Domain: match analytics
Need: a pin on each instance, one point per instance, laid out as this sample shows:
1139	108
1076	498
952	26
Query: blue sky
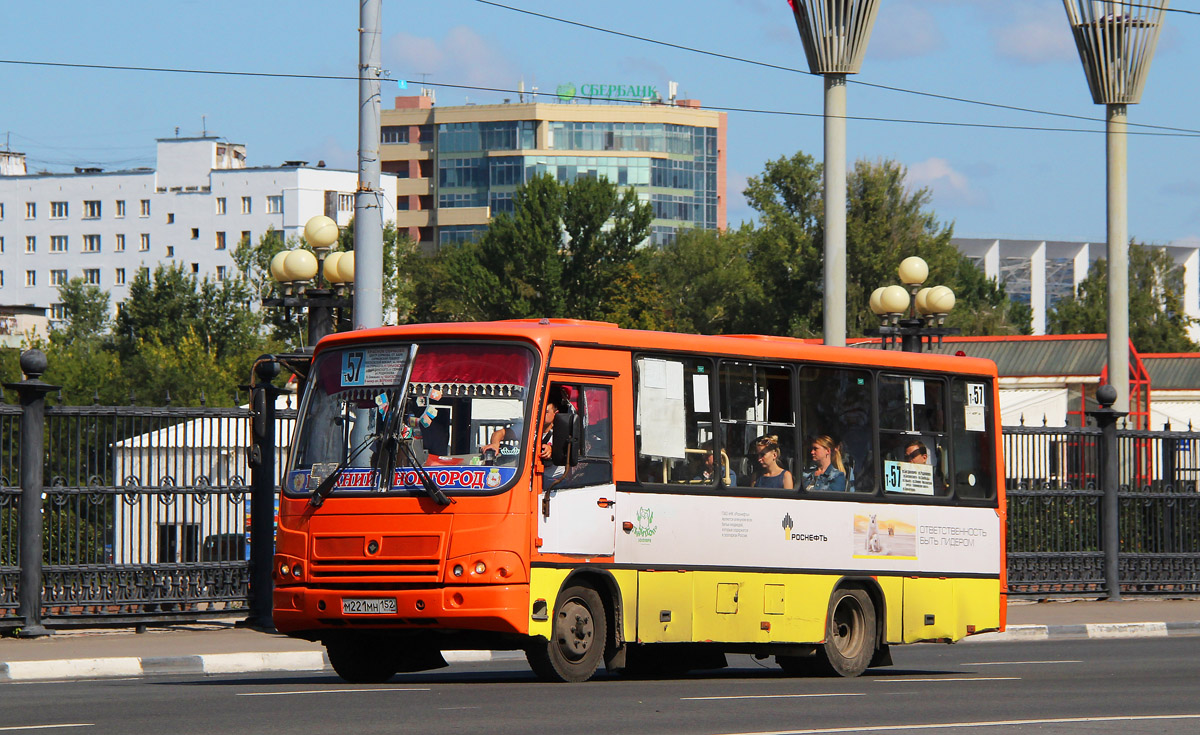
987	182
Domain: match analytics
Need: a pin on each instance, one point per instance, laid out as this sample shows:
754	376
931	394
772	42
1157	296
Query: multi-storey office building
459	166
1040	272
192	209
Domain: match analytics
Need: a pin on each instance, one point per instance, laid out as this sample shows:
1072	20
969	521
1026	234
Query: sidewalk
218	647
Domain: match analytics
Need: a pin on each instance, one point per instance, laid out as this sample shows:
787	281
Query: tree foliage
1157	321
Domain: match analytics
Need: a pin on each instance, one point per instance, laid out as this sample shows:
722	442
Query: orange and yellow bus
642	500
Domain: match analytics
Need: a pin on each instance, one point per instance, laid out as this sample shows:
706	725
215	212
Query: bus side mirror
567	439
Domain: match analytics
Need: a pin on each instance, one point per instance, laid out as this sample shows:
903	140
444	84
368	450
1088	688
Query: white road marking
953	678
773	696
1019	663
331	691
18	728
983	723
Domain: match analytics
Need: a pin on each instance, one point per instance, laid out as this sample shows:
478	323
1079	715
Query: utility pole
368	200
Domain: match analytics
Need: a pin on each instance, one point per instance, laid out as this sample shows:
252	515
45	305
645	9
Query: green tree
1157	321
707	281
79	351
565	250
885	223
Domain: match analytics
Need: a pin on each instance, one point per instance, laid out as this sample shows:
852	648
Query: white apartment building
192	209
1040	272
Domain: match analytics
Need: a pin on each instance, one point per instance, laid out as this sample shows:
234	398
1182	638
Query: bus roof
545	332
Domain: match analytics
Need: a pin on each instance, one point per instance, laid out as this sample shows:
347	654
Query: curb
1020	633
217	663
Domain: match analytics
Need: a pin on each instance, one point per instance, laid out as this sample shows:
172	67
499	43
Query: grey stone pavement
220	647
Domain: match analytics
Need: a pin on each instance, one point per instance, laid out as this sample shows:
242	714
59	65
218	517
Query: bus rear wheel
362	659
576	645
849	632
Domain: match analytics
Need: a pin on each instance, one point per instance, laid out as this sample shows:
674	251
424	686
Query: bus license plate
368	606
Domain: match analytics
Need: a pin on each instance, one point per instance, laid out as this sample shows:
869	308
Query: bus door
576	497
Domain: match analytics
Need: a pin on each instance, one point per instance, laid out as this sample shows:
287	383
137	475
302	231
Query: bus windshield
462	417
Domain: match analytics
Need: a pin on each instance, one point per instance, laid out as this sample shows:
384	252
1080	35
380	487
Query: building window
220	205
144	243
220	241
393	134
120	208
195	267
1	210
58	243
170	218
1	279
221	272
30	210
170	251
91	243
58	210
91	210
245	237
92	276
195	233
58	277
30	278
144	272
345	202
58	312
119	277
145	208
247	208
118	243
1	244
30	244
275	204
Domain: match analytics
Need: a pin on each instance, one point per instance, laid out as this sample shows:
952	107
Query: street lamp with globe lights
333	271
912	316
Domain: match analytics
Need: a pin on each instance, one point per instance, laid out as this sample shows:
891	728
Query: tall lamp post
333	271
912	316
835	35
1116	42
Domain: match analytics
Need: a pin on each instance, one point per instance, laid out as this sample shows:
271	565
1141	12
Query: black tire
576	646
363	660
850	635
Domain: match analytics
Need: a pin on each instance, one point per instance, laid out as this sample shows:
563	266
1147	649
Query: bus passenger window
674	418
757	411
912	428
974	439
836	403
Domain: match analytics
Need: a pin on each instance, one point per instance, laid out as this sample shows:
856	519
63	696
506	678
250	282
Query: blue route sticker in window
375	367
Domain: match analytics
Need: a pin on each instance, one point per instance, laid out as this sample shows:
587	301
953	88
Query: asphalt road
1080	686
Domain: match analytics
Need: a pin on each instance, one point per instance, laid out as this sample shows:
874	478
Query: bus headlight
458	570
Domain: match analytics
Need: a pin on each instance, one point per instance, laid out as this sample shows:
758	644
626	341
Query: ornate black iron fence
1056	518
145	513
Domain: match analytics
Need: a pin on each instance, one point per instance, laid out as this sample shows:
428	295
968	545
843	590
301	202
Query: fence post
1110	482
32	392
262	492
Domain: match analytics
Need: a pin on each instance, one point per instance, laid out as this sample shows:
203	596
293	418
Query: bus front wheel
362	660
849	632
576	645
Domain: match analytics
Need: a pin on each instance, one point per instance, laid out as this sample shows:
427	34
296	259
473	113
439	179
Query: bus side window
756	403
974	439
912	428
674	417
837	403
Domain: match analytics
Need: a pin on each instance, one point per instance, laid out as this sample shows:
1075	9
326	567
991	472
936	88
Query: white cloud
947	186
904	31
462	57
1043	38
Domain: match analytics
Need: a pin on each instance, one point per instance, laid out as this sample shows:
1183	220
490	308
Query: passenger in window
711	469
916	452
827	473
546	441
773	474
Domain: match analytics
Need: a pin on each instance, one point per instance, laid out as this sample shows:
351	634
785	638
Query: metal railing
145	513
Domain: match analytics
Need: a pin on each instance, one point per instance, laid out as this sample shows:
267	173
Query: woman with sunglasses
827	473
773	474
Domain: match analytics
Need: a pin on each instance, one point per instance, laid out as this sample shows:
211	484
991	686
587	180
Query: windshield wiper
326	487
